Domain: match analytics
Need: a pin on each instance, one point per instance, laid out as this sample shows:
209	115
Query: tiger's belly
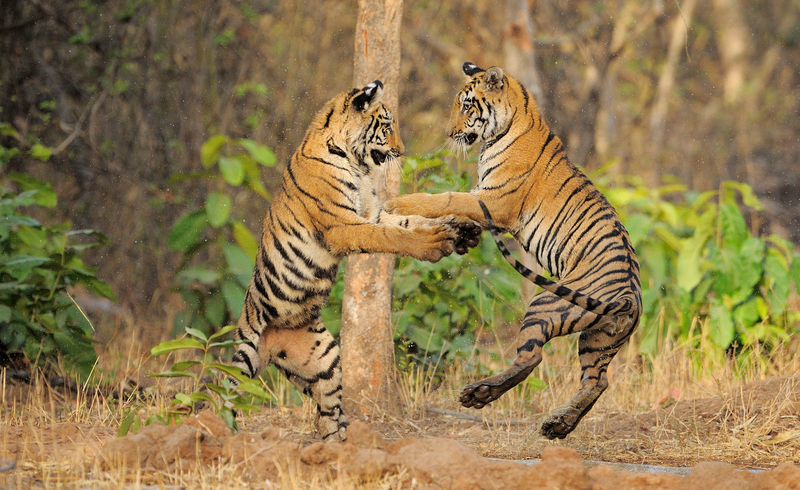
296	285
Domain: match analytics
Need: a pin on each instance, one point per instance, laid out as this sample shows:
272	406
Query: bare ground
756	425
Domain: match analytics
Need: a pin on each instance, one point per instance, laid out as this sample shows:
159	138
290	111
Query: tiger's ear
494	78
471	69
368	96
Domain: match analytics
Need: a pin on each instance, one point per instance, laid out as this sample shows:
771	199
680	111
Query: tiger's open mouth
378	156
466	139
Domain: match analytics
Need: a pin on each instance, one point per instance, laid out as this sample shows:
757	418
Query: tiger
558	217
325	208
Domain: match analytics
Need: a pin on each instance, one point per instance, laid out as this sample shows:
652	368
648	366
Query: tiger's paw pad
468	235
558	424
478	395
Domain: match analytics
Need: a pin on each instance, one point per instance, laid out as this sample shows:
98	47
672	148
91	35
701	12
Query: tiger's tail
620	307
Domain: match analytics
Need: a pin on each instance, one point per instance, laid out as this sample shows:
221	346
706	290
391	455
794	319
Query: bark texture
367	337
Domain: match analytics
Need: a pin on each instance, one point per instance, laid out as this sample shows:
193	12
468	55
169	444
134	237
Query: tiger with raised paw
527	187
327	207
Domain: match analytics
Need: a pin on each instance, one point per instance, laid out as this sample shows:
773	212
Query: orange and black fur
326	208
530	189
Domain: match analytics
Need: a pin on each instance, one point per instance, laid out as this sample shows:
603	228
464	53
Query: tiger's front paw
432	242
468	234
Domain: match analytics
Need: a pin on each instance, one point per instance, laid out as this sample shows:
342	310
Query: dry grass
53	436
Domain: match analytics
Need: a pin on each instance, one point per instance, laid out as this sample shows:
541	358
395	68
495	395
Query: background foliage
138	86
39	264
116	105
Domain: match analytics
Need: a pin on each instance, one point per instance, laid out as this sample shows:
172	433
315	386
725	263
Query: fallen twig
467	416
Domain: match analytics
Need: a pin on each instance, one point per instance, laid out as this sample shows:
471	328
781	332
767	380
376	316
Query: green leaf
173	374
255	389
231	371
176	344
183	366
225	343
184	399
99	288
222	331
18	220
41	152
218	208
33	237
746	314
187	230
748	196
794	272
44	194
196	333
210	151
20	266
245	239
230	420
260	154
126	424
734	229
777	281
233	294
239	263
721	326
198	274
215	309
738	270
5	314
688	267
232	170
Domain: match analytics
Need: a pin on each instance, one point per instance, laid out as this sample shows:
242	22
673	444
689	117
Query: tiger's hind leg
596	348
541	323
309	358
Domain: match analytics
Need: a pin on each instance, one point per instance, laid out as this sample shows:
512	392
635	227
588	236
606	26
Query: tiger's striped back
622	306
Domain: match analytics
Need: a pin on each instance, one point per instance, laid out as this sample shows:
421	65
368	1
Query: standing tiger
326	208
559	217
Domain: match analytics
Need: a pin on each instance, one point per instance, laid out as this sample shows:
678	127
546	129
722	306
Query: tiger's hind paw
480	393
560	422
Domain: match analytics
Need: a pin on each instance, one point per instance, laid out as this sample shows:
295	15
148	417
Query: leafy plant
702	267
438	308
214	290
38	266
210	383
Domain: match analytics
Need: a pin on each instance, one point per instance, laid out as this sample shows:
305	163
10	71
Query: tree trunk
680	29
367	336
519	59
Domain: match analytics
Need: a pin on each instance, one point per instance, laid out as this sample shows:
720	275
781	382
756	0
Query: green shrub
438	308
38	266
702	267
214	291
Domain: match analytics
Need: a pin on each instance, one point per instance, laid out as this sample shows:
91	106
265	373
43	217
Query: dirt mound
65	441
436	462
771	406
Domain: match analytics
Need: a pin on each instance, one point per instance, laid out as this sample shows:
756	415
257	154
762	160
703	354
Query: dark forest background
126	91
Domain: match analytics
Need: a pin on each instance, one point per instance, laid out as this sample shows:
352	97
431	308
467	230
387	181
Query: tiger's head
359	125
482	109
